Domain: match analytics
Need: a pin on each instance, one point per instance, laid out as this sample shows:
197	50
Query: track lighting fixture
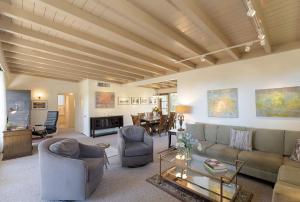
251	12
247	48
203	59
263	42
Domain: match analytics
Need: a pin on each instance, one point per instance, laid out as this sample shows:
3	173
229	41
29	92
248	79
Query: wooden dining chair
163	124
136	120
172	121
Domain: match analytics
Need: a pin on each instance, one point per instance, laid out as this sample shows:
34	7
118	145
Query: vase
188	154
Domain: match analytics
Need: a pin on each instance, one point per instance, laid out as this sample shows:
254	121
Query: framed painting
153	100
223	103
124	101
278	102
144	100
135	100
39	104
105	99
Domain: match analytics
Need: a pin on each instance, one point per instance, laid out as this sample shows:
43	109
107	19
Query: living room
123	101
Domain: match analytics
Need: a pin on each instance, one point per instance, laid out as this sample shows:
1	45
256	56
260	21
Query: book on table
215	166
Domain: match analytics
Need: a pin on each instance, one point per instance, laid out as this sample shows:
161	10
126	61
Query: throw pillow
66	147
296	154
241	139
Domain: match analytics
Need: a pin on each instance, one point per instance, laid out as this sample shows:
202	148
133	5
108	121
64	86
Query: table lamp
182	109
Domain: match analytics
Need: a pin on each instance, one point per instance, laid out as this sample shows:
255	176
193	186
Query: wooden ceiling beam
47	69
43	75
7	26
57	60
201	20
259	14
29	61
101	23
20	14
10	39
158	26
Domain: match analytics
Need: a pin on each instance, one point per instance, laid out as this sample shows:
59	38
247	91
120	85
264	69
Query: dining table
151	122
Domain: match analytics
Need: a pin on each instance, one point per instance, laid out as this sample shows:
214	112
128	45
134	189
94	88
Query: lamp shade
183	109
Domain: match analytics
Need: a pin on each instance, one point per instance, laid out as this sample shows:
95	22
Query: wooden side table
170	133
17	143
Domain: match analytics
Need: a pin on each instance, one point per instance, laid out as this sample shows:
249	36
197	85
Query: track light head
251	13
247	49
263	42
261	36
203	59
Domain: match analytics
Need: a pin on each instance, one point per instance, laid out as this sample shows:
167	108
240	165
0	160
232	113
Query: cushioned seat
261	160
285	192
289	174
288	162
137	149
94	166
223	153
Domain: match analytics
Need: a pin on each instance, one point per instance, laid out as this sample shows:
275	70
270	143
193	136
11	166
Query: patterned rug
186	196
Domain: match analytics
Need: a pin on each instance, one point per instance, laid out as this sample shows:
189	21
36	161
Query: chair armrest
91	151
121	144
148	139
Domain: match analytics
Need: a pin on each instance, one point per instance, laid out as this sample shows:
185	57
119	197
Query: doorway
66	108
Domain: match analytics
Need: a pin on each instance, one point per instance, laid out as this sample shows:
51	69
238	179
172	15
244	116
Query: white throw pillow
241	139
296	154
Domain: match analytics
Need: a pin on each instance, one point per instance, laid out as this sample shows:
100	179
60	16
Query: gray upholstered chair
66	178
135	146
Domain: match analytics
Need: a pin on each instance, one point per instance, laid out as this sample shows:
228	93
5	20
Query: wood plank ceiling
161	85
123	41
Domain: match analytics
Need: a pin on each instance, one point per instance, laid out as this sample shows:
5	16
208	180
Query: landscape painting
278	102
223	103
105	99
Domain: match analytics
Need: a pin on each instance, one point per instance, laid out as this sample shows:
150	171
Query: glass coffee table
194	177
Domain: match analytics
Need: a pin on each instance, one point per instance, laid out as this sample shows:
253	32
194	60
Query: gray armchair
65	178
135	146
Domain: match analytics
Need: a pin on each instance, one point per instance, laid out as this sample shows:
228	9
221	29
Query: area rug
187	196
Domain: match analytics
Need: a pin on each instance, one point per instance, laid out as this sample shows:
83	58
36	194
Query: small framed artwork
124	101
39	104
135	100
144	100
153	101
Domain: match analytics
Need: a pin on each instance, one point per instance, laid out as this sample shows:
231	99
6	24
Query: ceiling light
247	48
203	59
251	13
261	36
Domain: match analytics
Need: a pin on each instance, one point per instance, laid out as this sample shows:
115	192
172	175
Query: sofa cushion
289	174
223	135
196	130
66	147
137	149
222	153
210	132
285	192
261	160
241	139
94	167
267	140
204	146
288	162
290	138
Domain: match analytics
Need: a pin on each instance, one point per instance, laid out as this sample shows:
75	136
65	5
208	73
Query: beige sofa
268	160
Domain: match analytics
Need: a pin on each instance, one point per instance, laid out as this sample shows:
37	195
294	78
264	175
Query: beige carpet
19	178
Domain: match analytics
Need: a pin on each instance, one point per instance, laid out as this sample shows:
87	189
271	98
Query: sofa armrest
121	144
90	151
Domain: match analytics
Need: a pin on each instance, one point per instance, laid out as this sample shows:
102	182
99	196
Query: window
164	104
2	106
173	101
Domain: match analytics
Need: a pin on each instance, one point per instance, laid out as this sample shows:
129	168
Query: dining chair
136	120
163	124
172	121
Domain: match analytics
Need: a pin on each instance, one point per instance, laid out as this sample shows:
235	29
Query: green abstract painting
223	103
278	102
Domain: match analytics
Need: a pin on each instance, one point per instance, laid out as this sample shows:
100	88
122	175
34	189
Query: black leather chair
49	125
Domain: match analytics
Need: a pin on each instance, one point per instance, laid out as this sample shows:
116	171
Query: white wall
272	71
2	108
84	113
48	89
120	91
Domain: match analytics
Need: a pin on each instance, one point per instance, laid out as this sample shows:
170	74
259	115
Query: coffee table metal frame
169	155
